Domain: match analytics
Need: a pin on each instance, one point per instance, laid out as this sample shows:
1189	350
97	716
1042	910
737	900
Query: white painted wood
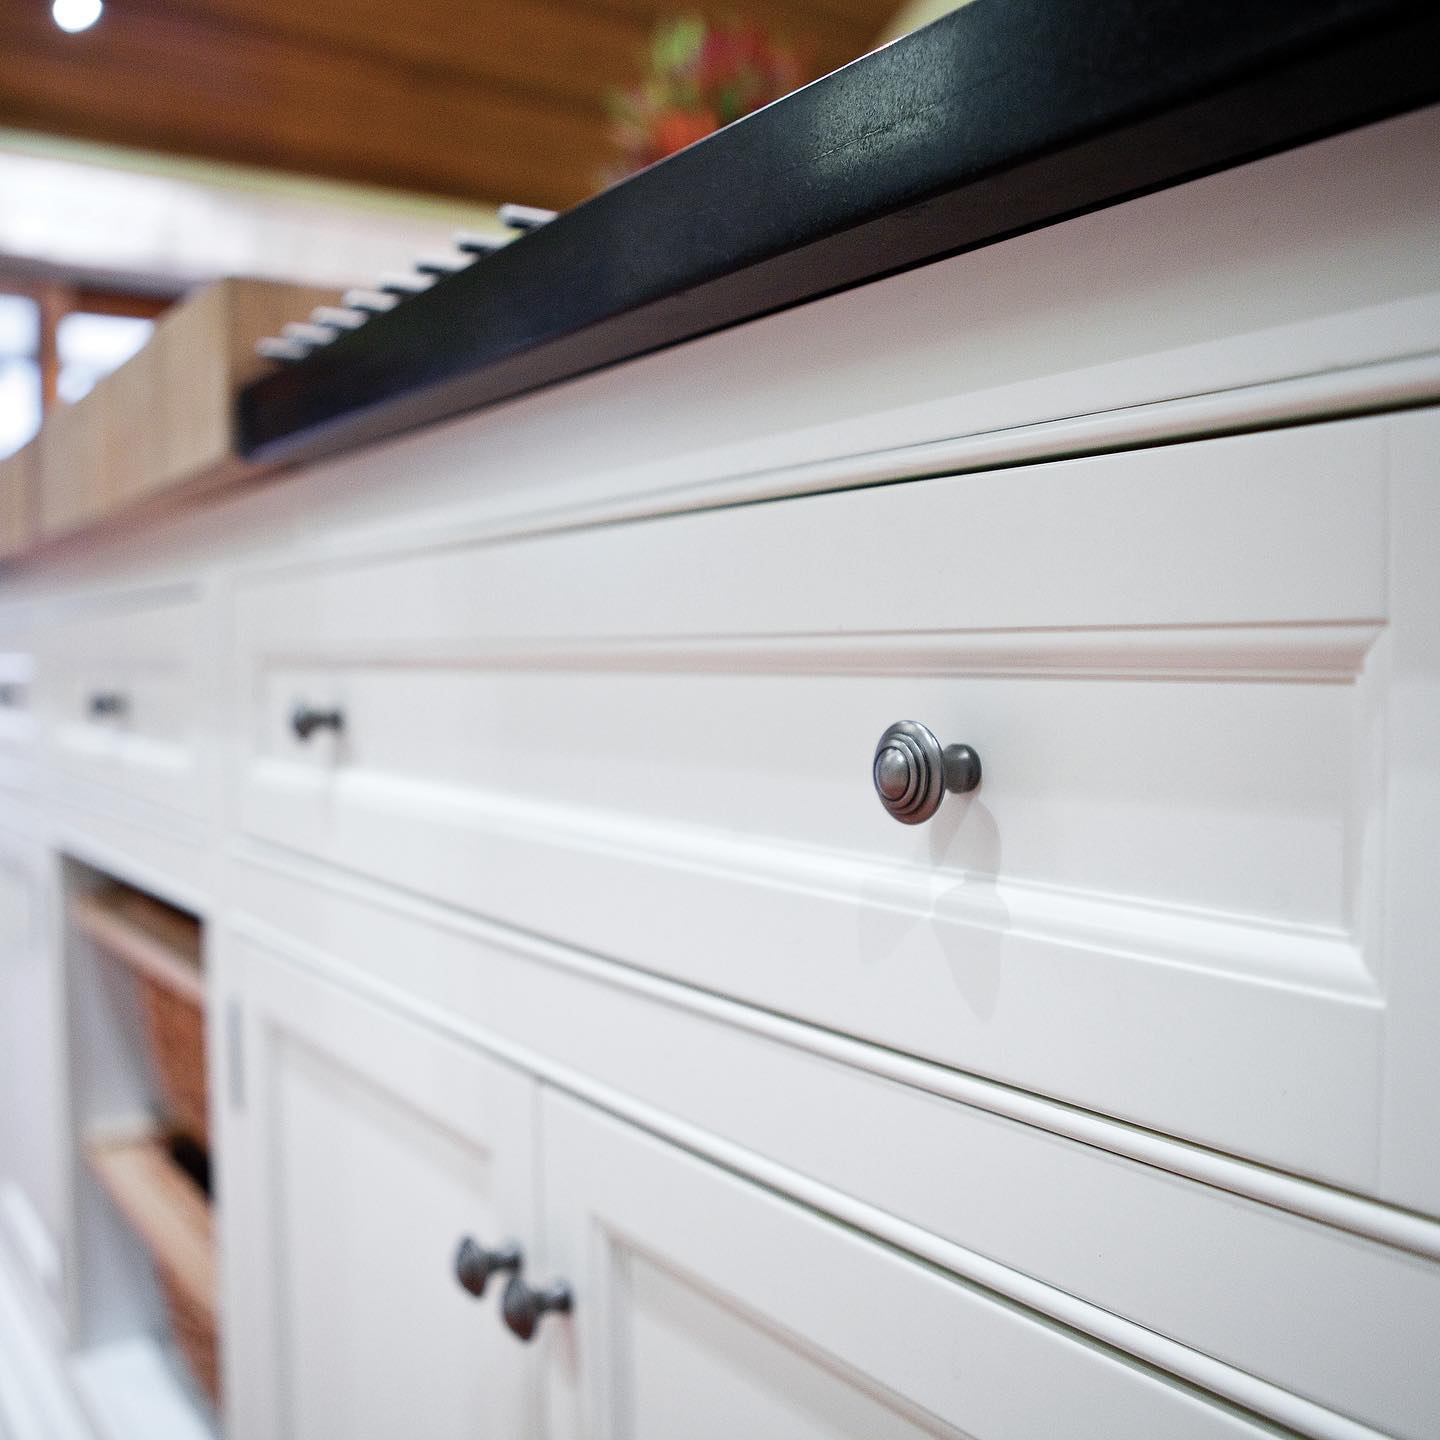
671	726
33	1129
37	1401
762	1319
17	700
1030	1195
146	648
366	1149
310	901
1410	914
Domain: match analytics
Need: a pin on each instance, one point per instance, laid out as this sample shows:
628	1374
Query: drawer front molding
1172	856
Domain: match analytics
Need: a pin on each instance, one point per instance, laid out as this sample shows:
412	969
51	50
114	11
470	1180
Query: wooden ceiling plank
540	47
858	21
440	96
292	107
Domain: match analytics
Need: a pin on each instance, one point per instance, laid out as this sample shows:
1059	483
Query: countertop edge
937	144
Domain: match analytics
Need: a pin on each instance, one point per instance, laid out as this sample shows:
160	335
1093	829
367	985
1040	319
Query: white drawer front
125	689
17	707
654	741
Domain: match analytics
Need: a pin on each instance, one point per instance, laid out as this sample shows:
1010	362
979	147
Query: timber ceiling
481	99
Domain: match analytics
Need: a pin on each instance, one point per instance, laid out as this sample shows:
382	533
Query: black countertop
1000	118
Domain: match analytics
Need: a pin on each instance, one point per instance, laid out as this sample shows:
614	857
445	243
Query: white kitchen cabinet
552	900
707	1307
33	1200
366	1147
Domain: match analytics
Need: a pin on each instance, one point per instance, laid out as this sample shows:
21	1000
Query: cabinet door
707	1307
362	1149
32	1202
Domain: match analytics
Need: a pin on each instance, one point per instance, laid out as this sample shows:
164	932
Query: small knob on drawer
108	704
912	771
474	1264
305	720
523	1306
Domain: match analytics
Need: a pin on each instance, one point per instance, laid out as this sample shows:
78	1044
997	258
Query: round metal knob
523	1306
912	771
474	1264
108	705
305	720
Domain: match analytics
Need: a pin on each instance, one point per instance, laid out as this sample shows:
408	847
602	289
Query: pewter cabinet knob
912	771
474	1264
305	720
524	1305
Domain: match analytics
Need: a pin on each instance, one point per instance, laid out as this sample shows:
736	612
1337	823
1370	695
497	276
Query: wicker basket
175	1039
161	949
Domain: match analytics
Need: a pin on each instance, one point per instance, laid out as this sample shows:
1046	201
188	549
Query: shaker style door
705	1306
32	1200
365	1150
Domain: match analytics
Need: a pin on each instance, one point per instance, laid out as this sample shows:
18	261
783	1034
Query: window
20	390
90	346
56	341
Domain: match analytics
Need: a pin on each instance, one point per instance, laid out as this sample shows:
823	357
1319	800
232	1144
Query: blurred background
147	146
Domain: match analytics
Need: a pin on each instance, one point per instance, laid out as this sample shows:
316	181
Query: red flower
675	129
701	76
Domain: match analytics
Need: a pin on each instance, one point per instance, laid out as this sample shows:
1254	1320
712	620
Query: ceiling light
73	16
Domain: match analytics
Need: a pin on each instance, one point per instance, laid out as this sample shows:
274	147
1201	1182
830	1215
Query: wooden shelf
155	941
165	1208
172	1218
